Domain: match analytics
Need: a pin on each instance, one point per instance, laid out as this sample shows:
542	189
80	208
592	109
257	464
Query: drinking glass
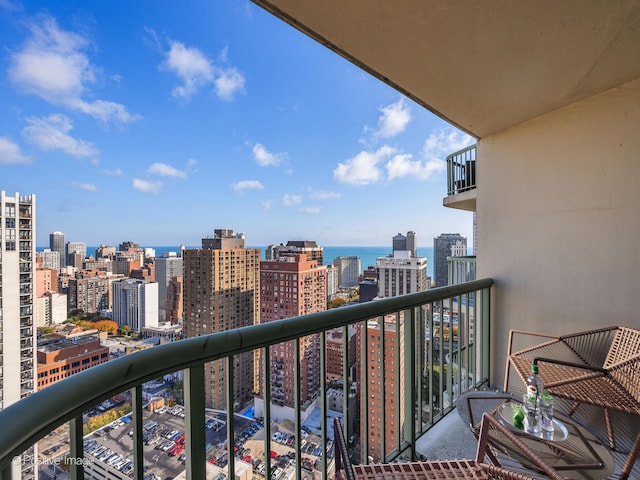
546	410
532	414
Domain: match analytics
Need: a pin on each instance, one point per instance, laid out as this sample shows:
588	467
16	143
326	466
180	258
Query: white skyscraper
401	274
135	303
17	293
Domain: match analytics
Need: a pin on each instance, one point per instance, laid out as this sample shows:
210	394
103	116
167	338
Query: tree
336	302
108	326
45	330
125	330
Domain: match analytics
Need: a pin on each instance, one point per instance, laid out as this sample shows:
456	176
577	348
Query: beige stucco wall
559	220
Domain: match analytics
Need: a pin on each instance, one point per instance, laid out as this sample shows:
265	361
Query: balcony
461	179
435	369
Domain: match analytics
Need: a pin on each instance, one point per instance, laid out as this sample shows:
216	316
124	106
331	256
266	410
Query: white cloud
322	194
444	142
265	158
164	170
116	172
267	205
363	169
196	71
403	166
289	199
147	186
245	185
228	82
52	133
53	66
310	210
394	119
10	153
88	187
191	66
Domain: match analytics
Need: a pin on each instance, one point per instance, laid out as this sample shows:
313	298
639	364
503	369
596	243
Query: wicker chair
596	372
442	469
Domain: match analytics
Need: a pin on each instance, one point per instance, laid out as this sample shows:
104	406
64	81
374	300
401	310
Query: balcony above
461	180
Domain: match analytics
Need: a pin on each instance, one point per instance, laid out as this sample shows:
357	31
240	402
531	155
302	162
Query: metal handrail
461	170
29	420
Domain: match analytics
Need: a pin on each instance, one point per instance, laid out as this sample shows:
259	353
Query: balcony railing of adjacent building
437	365
461	269
461	171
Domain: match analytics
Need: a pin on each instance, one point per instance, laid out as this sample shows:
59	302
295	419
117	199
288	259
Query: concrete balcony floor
451	439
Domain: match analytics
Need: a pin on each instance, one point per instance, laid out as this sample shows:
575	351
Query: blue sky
158	121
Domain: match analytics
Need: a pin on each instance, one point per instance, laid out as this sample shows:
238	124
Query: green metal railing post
231	436
486	335
138	453
408	339
76	467
195	438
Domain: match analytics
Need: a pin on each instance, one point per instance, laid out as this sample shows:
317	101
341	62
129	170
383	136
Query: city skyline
162	122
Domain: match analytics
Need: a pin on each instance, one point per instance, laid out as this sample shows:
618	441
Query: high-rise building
221	291
51	309
401	274
442	248
17	306
174	301
168	266
105	251
135	303
410	243
49	259
348	270
384	376
310	247
332	281
56	244
89	294
291	286
76	253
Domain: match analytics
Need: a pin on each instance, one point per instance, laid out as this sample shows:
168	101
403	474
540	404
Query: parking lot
110	448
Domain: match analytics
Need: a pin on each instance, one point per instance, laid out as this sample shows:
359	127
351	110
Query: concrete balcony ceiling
483	66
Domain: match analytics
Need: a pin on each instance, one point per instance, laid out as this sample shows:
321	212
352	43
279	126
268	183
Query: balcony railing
429	363
461	171
461	269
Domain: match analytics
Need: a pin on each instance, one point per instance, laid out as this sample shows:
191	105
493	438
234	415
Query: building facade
49	259
90	294
442	248
310	247
408	242
221	292
401	274
135	303
291	286
76	253
62	357
56	244
17	305
168	266
348	271
174	310
384	375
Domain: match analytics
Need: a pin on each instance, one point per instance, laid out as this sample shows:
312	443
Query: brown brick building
62	357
